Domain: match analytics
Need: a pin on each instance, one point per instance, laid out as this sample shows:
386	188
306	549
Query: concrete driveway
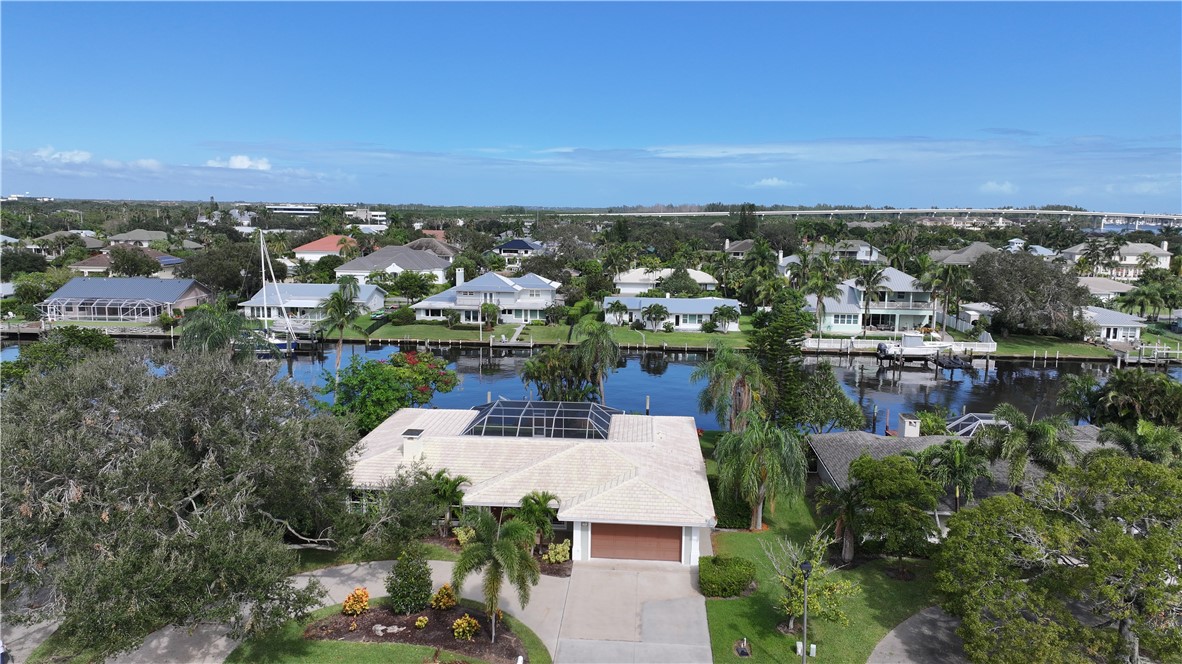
624	611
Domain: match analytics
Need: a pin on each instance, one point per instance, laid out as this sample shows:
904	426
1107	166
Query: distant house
395	260
1129	259
1017	244
901	305
304	302
50	245
686	313
963	256
1105	288
855	250
737	249
521	299
139	238
325	246
100	264
437	234
5	240
518	249
438	247
122	299
634	282
1114	325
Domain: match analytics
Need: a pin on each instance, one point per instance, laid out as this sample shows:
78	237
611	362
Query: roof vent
411	434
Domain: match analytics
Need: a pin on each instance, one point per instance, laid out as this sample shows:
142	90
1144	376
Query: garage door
618	540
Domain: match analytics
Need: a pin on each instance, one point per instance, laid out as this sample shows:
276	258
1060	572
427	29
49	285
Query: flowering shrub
465	628
444	598
356	603
464	534
557	553
421	622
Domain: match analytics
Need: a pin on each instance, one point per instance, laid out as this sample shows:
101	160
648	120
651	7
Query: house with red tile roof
325	246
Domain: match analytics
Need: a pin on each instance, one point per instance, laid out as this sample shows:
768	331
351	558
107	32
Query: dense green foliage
1031	295
20	261
372	390
408	585
63	346
828	591
760	462
896	504
724	576
555	374
132	262
154	488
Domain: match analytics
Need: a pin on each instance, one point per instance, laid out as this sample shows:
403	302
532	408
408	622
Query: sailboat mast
263	278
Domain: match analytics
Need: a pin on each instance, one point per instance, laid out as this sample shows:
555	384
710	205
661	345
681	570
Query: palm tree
723	316
1141	300
448	492
599	352
869	279
735	384
952	279
654	314
953	464
618	309
535	510
1047	443
897	254
502	551
1080	395
760	463
213	326
821	286
340	311
347	247
929	281
845	504
1148	441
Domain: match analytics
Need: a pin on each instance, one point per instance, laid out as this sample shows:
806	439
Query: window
535	294
845	319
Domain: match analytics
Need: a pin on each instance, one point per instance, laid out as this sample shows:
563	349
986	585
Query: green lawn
1158	334
880	604
312	559
58	650
288	645
434	333
623	335
1022	346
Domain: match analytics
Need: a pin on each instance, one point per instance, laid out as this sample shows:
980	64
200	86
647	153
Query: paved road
928	637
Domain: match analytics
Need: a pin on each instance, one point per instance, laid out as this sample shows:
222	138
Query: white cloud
992	187
772	183
47	153
241	162
148	164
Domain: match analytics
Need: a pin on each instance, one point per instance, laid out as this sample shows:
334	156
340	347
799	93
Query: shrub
557	553
667	326
761	319
464	534
723	576
356	603
465	628
444	598
731	511
451	317
421	622
166	321
403	316
638	325
709	327
408	584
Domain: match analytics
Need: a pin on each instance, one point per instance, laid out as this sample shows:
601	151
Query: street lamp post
806	568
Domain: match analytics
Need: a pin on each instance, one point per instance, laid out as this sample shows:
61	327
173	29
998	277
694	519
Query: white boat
912	346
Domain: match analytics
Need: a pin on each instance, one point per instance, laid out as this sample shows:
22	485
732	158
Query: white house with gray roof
394	261
629	487
122	299
520	299
1131	258
305	302
686	313
1114	325
639	280
139	237
900	306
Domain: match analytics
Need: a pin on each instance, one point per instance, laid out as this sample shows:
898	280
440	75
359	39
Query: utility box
908	425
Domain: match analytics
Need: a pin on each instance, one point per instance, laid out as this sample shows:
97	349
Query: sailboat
282	340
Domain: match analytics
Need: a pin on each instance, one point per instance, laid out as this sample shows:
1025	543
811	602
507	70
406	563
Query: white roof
640	276
1104	285
649	470
1110	318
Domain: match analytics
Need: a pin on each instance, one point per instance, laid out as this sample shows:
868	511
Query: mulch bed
556	569
448	542
436	634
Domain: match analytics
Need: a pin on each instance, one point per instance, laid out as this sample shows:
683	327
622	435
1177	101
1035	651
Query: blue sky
901	104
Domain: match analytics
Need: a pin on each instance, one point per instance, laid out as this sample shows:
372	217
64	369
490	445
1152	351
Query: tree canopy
1032	295
372	390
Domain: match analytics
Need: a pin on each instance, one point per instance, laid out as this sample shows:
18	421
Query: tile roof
104	260
435	246
88	242
404	257
139	235
329	243
146	288
896	281
649	471
963	256
641	276
1104	285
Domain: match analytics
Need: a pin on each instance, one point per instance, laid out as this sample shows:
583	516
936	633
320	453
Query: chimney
667	296
1165	245
908	425
727	246
459	276
780	256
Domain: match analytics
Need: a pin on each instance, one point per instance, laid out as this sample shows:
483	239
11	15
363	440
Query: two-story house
639	280
139	237
303	304
394	260
738	249
520	299
899	305
856	250
1132	258
518	249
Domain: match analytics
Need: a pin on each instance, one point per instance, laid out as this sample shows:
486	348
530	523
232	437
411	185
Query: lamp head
807	568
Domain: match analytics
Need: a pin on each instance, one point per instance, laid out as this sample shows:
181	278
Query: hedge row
723	576
732	512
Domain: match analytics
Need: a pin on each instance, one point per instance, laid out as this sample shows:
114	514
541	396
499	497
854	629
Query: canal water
662	379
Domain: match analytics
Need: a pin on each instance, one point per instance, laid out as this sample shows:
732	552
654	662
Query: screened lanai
542	419
103	309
